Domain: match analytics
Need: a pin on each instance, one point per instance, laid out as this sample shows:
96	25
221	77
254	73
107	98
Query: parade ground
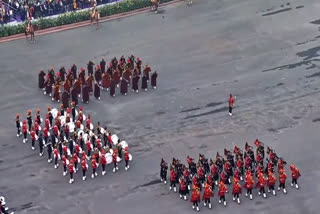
266	53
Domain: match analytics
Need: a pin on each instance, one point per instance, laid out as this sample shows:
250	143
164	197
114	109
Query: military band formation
226	173
123	73
72	139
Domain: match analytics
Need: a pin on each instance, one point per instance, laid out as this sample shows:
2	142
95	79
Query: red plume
235	150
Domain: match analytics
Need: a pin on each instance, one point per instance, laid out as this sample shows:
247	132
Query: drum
81	127
54	113
123	144
71	127
36	136
102	130
84	117
85	137
39	128
114	139
108	158
91	126
63	120
130	157
119	159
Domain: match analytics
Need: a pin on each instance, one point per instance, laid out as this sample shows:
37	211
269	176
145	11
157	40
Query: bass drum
114	139
54	113
71	127
123	144
130	157
63	120
108	158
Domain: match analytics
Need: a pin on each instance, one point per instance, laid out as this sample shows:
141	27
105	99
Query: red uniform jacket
236	189
239	163
185	173
261	181
271	180
46	122
126	156
236	173
207	193
213	169
24	128
78	124
249	183
33	135
83	165
172	175
64	160
66	129
295	173
55	130
55	153
200	172
88	144
88	123
65	149
75	158
70	167
93	164
77	148
103	160
231	101
45	132
114	157
282	178
182	185
36	127
195	196
222	189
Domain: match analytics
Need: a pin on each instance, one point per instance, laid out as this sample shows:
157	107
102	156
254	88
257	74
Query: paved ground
262	52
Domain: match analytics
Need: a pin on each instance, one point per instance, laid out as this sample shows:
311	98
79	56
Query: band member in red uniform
89	148
236	190
222	188
154	76
55	156
18	125
84	167
295	174
249	182
33	137
271	182
36	128
126	158
207	194
282	180
201	175
195	198
214	173
24	131
94	167
71	171
163	171
45	134
103	162
261	183
182	188
231	101
64	163
75	160
172	179
29	119
114	160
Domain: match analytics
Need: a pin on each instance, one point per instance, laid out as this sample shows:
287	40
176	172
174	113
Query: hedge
73	17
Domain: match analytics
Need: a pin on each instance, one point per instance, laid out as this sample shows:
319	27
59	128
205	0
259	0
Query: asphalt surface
264	53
